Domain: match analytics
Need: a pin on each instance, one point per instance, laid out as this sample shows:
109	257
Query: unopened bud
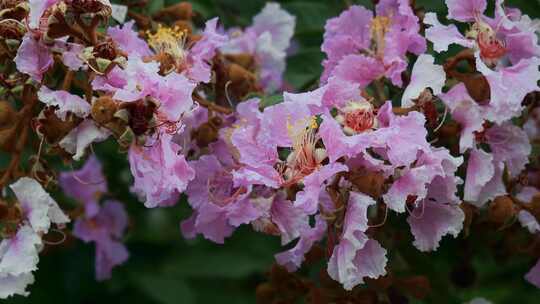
371	183
501	210
247	61
265	293
182	11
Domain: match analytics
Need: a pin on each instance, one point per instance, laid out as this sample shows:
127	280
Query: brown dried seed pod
501	210
52	127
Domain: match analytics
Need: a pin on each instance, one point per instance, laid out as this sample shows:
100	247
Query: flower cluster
441	144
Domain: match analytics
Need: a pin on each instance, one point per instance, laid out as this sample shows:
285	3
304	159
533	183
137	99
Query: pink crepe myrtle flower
267	39
105	229
356	256
291	126
139	80
385	38
160	172
194	60
85	185
492	37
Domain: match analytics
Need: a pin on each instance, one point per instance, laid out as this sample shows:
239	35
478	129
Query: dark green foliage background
165	269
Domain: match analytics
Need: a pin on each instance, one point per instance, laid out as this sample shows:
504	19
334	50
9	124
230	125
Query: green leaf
304	68
165	290
154	6
271	100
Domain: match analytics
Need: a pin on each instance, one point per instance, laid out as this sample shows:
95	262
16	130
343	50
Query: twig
210	105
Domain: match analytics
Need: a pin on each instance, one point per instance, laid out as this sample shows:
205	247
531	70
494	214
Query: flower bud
265	293
245	60
501	210
103	110
370	183
179	11
478	87
242	80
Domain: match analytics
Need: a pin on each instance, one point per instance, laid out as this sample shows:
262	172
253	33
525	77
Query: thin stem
210	105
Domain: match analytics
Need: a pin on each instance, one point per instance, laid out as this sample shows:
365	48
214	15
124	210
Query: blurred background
164	268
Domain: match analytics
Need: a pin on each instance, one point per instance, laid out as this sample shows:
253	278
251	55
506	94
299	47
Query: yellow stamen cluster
169	40
304	157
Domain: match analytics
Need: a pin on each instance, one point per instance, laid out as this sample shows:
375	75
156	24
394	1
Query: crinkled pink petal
431	221
38	207
465	10
425	74
480	171
308	198
466	112
533	276
19	254
359	69
81	137
356	257
511	145
15	285
160	173
346	34
291	221
128	40
85	185
33	58
203	51
66	102
292	259
276	21
443	35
